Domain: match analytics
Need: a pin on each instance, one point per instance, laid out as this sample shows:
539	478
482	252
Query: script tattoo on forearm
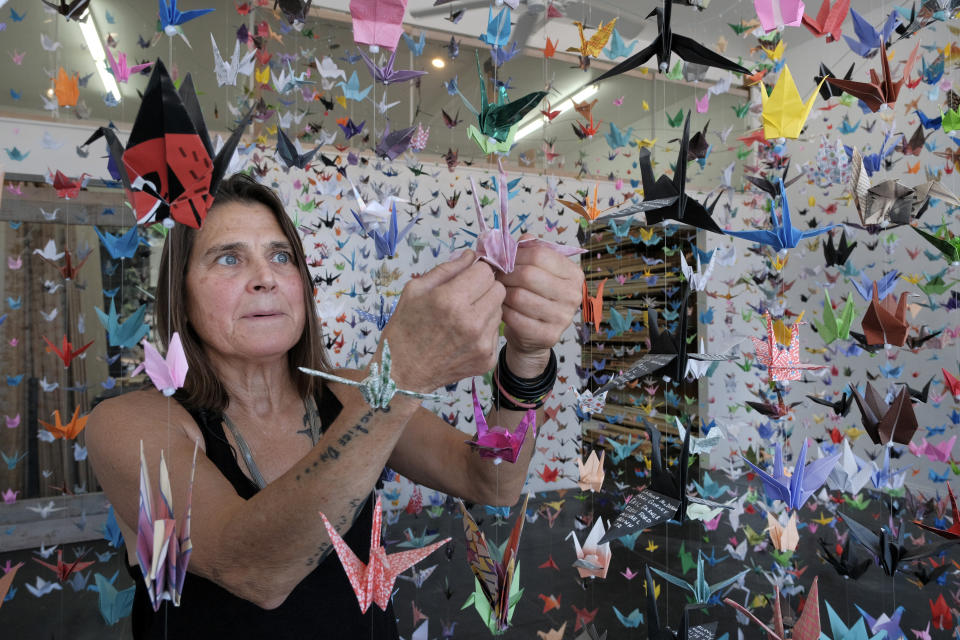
323	549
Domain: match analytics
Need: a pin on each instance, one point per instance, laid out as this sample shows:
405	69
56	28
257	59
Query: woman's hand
543	294
446	325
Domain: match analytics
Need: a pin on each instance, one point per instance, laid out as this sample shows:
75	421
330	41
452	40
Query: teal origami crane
125	334
124	246
858	631
498	28
351	88
617	47
702	592
617	138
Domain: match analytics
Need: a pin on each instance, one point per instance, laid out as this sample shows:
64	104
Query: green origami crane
833	328
497	120
944	241
378	388
935	285
482	605
951	120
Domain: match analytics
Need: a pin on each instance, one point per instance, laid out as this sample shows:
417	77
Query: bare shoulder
143	411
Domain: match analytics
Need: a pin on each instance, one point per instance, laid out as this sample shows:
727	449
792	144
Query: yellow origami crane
784	113
597	41
645	143
262	75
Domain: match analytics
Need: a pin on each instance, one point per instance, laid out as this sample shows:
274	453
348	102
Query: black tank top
323	605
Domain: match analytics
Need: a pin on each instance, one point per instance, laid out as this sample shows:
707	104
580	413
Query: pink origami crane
167	374
776	14
122	71
162	555
498	442
377	23
782	364
941	452
496	246
373	582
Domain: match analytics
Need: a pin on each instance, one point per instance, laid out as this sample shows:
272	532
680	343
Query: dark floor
74	614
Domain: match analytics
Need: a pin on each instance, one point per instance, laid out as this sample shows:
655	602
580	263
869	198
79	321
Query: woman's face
244	291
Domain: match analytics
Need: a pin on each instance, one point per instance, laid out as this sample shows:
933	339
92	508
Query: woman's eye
282	257
227	259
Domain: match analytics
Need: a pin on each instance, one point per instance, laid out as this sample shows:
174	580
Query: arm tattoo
323	549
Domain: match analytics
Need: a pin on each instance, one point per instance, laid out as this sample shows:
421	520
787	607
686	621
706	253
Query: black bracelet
521	394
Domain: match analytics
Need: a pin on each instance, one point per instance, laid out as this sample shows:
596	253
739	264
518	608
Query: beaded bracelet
520	394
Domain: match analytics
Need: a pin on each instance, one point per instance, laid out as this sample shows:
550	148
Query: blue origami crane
793	490
124	246
386	243
618	48
868	39
125	334
498	28
885	285
171	17
784	235
351	88
873	161
617	138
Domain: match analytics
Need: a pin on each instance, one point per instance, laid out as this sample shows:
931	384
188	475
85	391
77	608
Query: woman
281	446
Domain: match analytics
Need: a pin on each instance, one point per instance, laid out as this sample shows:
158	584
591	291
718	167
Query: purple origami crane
498	442
496	246
794	489
161	554
387	74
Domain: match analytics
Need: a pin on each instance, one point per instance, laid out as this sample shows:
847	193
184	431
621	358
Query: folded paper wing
593	558
593	305
373	581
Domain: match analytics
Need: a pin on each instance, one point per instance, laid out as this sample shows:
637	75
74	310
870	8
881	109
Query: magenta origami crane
496	246
781	363
498	442
119	67
162	555
373	581
377	23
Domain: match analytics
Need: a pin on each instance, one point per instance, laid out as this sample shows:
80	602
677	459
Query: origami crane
496	574
499	443
497	247
667	43
593	306
829	20
890	549
169	168
833	328
591	472
496	121
885	320
591	48
953	533
657	632
794	489
161	553
777	14
124	334
944	241
881	90
784	113
386	75
885	423
119	67
167	374
171	17
807	626
64	569
66	352
784	235
593	558
373	581
701	590
386	242
68	431
377	23
782	364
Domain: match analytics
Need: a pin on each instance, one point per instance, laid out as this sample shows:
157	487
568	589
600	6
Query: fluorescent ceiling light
564	106
92	37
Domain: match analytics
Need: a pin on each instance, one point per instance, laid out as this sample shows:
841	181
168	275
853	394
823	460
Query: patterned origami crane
782	364
373	581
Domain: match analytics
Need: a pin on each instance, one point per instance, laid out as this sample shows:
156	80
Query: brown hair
202	388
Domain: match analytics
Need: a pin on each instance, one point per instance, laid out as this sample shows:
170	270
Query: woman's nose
263	278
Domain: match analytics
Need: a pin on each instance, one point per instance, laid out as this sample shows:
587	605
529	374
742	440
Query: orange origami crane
881	89
593	306
885	320
64	569
588	210
68	431
373	581
67	88
66	353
